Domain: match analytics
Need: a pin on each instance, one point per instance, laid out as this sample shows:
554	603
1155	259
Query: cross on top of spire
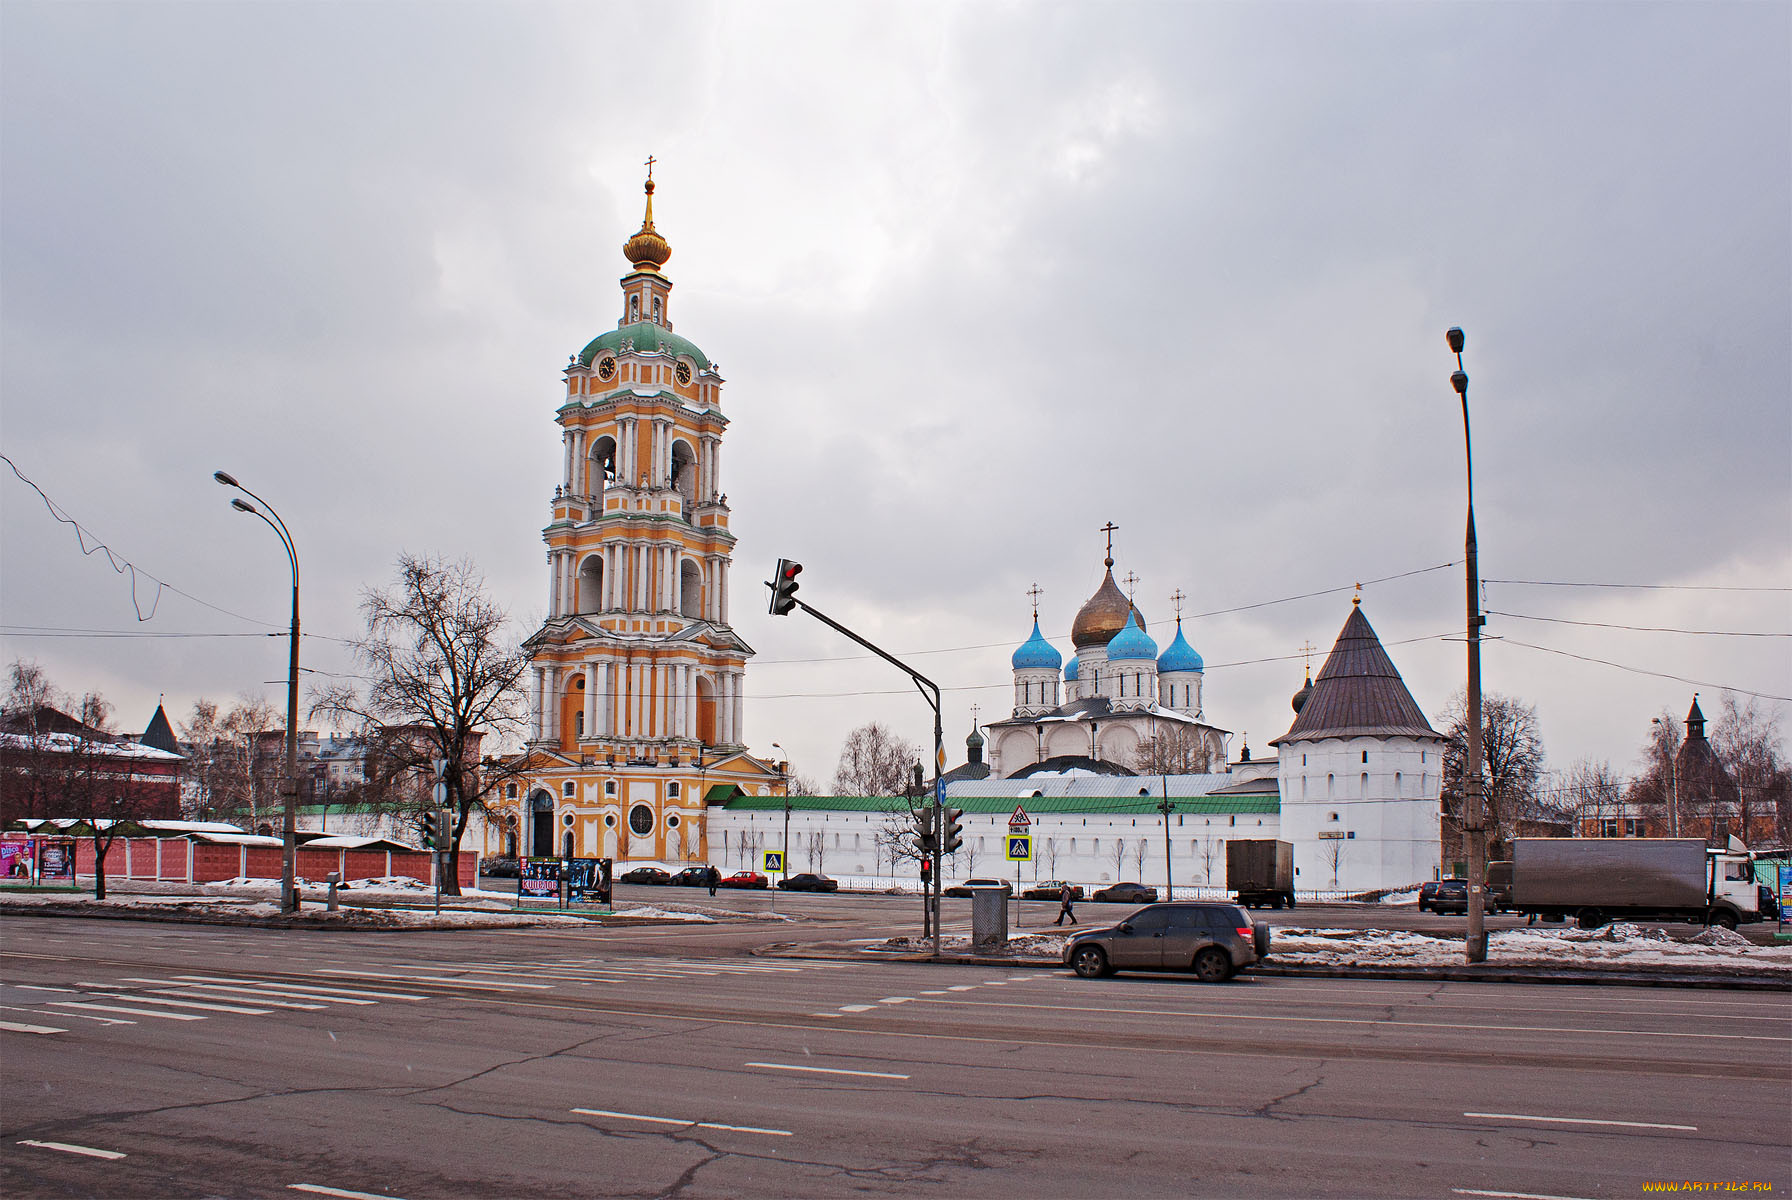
1307	649
1132	584
1176	599
1109	530
1033	593
649	165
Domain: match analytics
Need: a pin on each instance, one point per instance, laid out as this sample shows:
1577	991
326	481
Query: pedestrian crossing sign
774	861
1020	847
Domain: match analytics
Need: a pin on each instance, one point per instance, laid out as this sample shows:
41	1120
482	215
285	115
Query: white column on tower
566	467
590	699
535	705
550	707
722	601
725	722
740	705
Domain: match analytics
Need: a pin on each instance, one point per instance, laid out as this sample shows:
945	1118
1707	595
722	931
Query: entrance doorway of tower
541	825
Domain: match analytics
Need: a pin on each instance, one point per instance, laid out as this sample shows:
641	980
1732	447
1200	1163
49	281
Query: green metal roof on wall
647	338
1035	805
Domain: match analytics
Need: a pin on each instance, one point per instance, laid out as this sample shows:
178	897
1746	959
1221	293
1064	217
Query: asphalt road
663	1062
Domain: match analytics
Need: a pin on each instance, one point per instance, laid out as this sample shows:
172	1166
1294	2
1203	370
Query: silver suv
1214	940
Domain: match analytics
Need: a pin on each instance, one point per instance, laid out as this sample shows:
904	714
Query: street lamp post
289	787
784	776
1475	827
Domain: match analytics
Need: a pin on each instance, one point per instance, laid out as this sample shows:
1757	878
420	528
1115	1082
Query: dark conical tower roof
160	734
1359	692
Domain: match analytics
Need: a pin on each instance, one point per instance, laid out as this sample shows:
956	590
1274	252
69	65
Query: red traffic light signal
784	587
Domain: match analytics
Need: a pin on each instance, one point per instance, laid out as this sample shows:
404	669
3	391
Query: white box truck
1595	880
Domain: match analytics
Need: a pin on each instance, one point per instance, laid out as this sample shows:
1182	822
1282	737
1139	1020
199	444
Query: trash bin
989	918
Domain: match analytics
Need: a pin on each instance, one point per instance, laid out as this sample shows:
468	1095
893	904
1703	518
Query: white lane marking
1445	1025
599	1112
1513	1195
995	983
1580	1121
824	1014
936	993
31	987
441	979
962	987
42	1013
857	1007
66	1148
896	1000
827	1070
1022	978
135	1012
304	989
320	1190
263	993
21	1027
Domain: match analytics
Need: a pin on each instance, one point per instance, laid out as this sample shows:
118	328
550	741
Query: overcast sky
980	277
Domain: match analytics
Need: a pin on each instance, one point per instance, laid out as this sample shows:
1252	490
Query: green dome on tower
647	337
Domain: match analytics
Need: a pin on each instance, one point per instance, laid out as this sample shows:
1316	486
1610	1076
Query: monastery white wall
1379	794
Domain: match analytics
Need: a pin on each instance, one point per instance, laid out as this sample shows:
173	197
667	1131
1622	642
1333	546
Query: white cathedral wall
1389	820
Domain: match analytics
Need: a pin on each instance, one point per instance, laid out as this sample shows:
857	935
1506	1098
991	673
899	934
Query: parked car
746	879
809	883
1126	893
964	890
1051	889
499	866
691	877
645	875
1444	896
1213	939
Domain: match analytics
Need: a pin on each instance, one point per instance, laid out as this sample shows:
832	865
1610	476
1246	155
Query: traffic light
951	831
926	869
431	838
925	840
784	587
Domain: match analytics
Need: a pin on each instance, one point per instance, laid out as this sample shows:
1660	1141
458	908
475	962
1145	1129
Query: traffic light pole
930	691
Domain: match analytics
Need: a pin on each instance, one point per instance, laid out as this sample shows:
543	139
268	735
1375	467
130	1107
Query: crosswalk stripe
115	991
21	1027
255	991
135	1012
209	994
444	980
306	988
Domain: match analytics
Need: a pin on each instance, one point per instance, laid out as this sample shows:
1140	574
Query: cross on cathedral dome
647	250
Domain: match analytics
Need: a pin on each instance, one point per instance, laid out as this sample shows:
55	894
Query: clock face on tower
684	372
606	368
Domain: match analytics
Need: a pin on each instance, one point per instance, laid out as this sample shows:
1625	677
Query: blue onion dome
1070	671
1180	656
1036	652
1131	642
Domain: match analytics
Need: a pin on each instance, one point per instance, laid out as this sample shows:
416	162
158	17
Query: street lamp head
242	505
1453	335
226	478
1459	381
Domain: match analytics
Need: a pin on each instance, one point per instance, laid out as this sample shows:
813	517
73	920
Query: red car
746	879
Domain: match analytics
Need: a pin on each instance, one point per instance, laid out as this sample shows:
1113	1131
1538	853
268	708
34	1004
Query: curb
304	921
1464	974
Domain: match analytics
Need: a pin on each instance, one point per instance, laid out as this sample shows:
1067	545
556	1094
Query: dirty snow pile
1617	945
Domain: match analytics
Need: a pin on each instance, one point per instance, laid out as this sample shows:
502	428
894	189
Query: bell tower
637	681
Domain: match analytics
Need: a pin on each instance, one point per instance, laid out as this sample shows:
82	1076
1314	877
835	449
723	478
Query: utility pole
1475	944
1166	808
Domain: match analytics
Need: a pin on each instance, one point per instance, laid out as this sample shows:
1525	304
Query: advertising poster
1785	891
540	879
56	860
16	856
587	880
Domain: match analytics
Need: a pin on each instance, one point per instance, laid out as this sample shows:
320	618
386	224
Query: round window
610	821
567	820
640	819
672	821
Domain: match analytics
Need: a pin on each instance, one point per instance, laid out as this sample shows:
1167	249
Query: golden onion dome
647	250
1103	616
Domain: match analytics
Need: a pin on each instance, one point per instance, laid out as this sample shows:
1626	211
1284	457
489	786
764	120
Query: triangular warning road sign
1020	819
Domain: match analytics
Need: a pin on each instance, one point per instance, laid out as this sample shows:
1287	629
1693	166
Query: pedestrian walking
1065	898
715	877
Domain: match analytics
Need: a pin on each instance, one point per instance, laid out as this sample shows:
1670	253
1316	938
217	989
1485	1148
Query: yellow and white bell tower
637	681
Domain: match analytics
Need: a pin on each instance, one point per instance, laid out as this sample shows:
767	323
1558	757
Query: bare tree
1049	852
967	853
232	763
1208	848
1331	853
442	676
1173	750
1512	762
1590	791
817	840
1141	850
1119	857
1747	741
1656	792
873	762
800	784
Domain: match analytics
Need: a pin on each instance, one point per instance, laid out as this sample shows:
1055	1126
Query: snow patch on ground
1619	945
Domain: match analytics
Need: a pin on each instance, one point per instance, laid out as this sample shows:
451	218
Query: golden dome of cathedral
1103	616
647	250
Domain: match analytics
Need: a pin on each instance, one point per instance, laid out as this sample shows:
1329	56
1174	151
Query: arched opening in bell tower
684	474
602	474
591	584
541	825
706	711
690	589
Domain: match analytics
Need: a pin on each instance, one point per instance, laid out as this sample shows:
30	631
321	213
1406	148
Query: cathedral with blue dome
1118	706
